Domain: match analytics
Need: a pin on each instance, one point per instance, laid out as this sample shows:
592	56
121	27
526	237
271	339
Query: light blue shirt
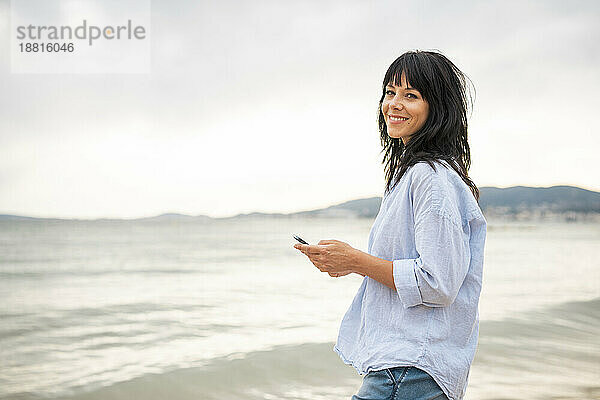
432	229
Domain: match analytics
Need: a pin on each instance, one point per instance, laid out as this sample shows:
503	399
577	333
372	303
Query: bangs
415	76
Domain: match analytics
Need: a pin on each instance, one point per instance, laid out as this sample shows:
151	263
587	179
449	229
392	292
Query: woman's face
404	109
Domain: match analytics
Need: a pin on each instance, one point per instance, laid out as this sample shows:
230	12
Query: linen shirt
432	229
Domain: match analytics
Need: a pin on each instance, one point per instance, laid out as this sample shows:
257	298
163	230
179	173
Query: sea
228	309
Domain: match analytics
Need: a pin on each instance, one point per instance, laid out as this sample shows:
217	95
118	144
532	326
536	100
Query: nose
397	102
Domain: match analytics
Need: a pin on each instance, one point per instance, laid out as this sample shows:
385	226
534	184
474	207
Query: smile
397	119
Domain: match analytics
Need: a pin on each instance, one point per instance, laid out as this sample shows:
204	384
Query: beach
226	308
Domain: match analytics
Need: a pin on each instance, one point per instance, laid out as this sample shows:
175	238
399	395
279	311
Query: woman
412	328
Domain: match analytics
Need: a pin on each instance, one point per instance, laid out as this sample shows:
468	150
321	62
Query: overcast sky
271	106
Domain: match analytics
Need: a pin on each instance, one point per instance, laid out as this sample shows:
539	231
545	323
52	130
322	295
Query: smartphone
298	238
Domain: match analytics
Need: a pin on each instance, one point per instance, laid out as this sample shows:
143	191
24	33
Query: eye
412	94
389	92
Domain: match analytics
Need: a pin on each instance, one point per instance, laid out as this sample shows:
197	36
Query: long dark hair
444	134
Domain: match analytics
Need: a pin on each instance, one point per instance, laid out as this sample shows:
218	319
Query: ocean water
228	309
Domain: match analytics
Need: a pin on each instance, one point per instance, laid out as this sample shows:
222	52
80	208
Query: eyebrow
392	86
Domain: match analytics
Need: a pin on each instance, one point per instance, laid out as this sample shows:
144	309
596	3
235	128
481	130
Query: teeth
398	118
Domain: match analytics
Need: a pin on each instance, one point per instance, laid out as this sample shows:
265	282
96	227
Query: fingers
338	274
328	241
317	263
309	248
319	256
302	247
314	258
323	248
316	247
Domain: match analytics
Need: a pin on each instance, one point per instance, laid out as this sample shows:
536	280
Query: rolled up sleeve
405	280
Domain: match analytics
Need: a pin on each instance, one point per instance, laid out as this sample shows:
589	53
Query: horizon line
8	214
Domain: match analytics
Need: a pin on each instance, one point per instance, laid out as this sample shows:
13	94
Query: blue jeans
399	383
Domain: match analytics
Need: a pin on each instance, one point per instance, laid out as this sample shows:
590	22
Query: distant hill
367	208
512	200
8	217
555	198
173	217
517	200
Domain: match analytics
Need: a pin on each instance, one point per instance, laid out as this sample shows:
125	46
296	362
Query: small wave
278	373
20	324
302	371
559	340
558	335
91	274
556	321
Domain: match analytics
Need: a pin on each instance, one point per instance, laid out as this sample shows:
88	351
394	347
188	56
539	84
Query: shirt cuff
405	281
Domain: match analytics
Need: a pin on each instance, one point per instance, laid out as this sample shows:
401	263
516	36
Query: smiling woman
432	92
404	109
413	326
